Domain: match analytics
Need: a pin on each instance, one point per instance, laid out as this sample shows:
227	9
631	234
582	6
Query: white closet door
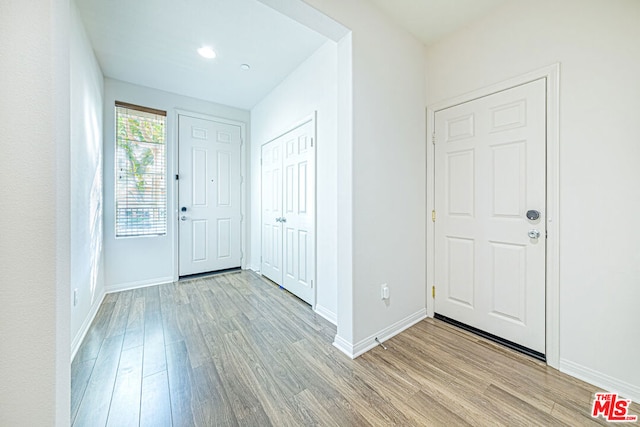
271	265
299	212
288	213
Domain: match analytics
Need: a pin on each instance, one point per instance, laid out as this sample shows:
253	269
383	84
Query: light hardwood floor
237	350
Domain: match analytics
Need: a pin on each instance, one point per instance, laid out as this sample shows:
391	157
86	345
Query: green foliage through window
141	202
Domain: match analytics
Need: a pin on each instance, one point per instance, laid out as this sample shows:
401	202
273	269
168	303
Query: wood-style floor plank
80	375
94	408
134	333
154	357
213	406
125	403
237	350
180	384
155	402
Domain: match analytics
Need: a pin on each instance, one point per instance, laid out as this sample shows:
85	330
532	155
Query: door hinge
260	161
241	255
433	138
433	215
433	291
241	179
311	283
311	142
177	177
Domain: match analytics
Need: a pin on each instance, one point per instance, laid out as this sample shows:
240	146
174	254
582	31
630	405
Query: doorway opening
288	217
455	257
210	195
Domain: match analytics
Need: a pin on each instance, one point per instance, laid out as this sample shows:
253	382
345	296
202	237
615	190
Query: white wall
311	87
87	275
389	178
34	227
131	262
596	42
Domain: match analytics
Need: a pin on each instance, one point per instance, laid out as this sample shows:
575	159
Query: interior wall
87	275
311	87
596	44
34	247
133	262
389	177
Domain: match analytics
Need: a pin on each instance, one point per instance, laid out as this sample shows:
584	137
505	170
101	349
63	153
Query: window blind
141	172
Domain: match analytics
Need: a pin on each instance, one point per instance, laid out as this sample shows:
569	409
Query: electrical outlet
75	297
384	290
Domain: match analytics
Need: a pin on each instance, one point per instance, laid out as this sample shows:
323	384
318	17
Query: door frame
552	294
314	121
243	184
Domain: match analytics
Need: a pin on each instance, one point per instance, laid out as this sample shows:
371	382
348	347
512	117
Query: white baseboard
327	314
361	347
84	328
598	379
135	285
344	346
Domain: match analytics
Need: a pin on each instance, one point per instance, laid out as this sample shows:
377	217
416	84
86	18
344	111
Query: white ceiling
430	20
153	43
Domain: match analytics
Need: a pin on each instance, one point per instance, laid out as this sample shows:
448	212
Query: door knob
534	234
183	218
283	219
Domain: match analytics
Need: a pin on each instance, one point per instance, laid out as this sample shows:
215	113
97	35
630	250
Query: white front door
288	211
490	181
209	195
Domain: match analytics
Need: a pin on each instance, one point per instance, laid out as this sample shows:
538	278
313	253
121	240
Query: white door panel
490	169
271	265
209	195
288	211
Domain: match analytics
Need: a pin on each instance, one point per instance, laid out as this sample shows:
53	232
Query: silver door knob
534	234
183	218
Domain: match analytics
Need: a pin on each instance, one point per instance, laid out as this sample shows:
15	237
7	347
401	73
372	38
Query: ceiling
153	43
430	20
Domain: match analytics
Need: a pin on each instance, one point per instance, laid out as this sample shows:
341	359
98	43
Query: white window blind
140	162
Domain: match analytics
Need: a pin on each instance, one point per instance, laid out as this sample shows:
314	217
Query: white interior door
272	211
489	173
288	211
209	195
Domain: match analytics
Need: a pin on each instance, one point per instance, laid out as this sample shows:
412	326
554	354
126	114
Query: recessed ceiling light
245	67
207	52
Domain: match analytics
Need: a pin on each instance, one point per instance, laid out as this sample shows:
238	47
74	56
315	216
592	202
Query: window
140	162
